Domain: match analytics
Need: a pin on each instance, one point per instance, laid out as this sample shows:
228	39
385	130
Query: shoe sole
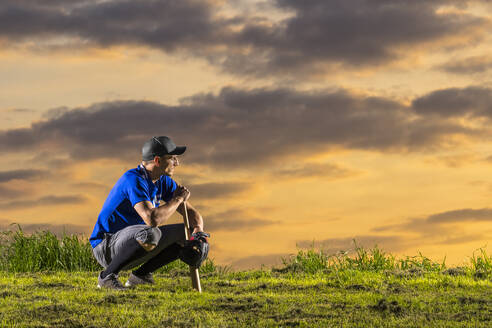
129	284
99	287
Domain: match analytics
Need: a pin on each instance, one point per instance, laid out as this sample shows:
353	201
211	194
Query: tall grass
44	251
314	260
481	264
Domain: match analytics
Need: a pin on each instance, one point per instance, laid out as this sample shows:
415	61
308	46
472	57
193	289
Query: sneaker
134	280
111	281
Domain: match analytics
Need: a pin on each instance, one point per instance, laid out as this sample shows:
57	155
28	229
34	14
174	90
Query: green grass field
366	289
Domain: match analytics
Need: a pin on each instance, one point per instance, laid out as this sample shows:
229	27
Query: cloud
235	219
50	200
444	227
93	186
315	35
334	245
463	239
6	176
455	160
473	101
18	110
243	128
9	193
323	34
218	190
310	170
470	65
163	24
462	215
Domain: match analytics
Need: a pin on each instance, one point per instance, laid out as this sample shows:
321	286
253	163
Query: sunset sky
318	120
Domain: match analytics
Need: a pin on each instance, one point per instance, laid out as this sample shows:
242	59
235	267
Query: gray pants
162	237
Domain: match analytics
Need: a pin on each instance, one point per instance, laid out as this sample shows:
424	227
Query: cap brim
178	151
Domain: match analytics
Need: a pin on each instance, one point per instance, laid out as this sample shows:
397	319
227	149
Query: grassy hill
312	289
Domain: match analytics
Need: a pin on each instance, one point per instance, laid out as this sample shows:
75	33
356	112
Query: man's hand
182	192
203	236
195	251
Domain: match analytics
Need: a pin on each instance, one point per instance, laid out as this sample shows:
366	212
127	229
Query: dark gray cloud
6	176
217	190
470	65
444	227
235	219
317	34
50	200
473	101
354	33
421	226
346	244
238	128
7	192
163	24
462	215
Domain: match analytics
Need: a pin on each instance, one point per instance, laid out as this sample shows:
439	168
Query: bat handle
186	222
195	277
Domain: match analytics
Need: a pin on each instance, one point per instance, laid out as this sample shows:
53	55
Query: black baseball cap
158	146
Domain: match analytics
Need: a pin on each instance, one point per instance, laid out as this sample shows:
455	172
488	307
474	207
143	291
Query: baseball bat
195	277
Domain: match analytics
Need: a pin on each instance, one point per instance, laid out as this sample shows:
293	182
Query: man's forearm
196	220
194	217
161	214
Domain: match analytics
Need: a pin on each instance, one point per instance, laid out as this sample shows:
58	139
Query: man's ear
157	161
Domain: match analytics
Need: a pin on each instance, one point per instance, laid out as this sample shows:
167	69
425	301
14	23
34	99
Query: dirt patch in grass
8	294
174	323
69	323
481	274
116	299
52	285
260	287
39	298
339	306
395	288
225	283
356	287
289	287
295	316
49	312
471	300
247	304
410	273
384	305
459	271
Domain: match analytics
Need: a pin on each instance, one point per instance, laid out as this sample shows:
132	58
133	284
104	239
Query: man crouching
130	230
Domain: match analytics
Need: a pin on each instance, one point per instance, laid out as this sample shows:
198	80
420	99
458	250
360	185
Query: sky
307	123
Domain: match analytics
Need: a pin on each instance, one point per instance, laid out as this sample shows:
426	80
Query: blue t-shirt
133	187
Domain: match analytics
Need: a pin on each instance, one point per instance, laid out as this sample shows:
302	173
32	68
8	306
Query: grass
44	251
314	261
366	288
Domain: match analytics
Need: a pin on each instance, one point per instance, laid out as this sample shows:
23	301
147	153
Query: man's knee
148	237
147	247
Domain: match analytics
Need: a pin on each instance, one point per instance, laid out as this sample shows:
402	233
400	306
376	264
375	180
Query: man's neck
152	172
